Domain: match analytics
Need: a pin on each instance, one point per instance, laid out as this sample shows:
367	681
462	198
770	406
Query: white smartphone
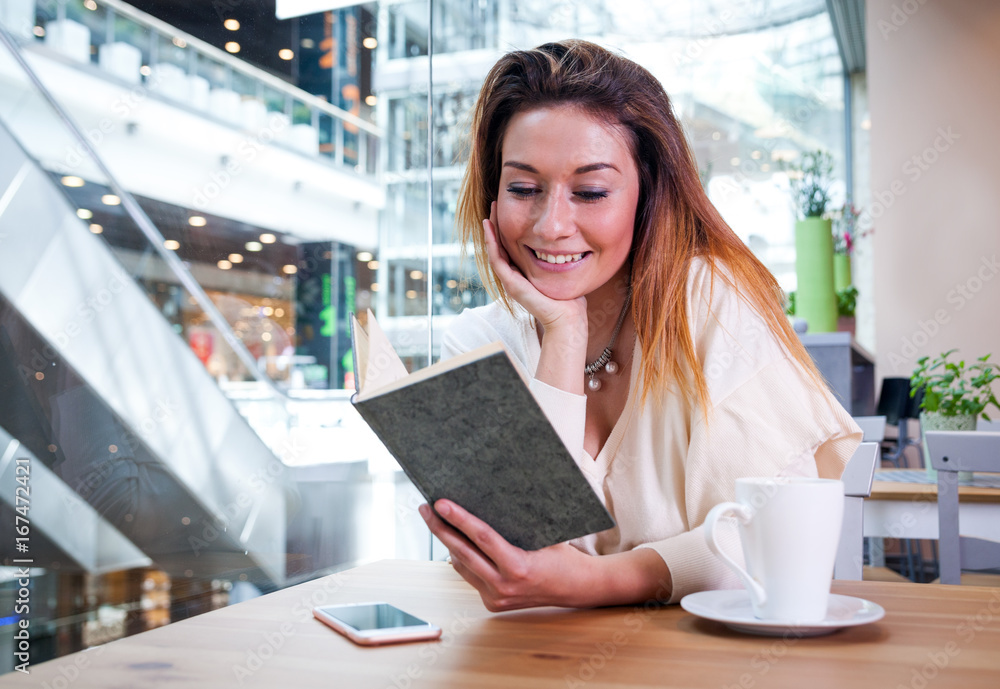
371	624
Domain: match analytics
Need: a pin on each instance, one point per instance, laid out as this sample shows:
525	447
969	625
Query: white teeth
560	258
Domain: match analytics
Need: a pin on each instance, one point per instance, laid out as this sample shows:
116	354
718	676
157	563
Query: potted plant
847	301
955	394
815	299
845	228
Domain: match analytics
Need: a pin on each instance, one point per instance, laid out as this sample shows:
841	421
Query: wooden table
909	510
931	636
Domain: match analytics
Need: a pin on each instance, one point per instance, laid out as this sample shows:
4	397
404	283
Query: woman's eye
522	192
591	195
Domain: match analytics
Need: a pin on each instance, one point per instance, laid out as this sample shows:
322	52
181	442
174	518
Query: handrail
162	27
146	225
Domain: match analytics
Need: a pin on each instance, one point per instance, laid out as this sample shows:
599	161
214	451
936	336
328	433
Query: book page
439	368
378	363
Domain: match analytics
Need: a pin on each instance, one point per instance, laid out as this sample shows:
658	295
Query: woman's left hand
507	577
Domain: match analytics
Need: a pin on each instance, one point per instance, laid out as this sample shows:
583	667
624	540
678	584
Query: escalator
130	440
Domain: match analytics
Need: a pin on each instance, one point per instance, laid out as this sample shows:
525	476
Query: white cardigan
664	467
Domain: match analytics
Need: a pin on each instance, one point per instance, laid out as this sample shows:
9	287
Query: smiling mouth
559	258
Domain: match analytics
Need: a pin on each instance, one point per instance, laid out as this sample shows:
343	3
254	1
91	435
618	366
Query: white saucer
733	609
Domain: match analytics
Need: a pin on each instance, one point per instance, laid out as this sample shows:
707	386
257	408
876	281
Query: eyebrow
592	167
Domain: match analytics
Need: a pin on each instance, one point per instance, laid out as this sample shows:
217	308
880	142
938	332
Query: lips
559	258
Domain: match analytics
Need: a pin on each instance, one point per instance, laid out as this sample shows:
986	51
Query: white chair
253	115
122	60
199	91
70	38
873	428
280	123
225	105
951	452
303	138
169	81
857	480
18	17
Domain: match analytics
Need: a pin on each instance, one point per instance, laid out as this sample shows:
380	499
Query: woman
655	341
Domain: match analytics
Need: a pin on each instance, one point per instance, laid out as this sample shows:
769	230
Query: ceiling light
96	229
236	258
72	181
370	42
279	312
90	5
231	24
232	47
84	214
307	43
289	270
253	246
452	284
266	337
110	200
267	310
267	238
365	256
371	100
180	42
416	275
145	70
411	294
197	221
171	244
372	265
39	31
286	53
374	287
734	161
224	264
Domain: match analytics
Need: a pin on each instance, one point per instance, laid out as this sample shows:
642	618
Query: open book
468	429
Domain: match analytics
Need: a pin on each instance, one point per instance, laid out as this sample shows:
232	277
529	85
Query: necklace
604	361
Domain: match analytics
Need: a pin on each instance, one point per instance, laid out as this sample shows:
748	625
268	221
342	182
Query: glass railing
140	50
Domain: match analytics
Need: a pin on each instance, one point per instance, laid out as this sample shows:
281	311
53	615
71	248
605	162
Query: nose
555	219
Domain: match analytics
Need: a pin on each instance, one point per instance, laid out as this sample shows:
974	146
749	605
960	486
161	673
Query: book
468	429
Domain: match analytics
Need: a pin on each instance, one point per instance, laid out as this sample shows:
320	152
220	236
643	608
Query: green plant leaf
955	387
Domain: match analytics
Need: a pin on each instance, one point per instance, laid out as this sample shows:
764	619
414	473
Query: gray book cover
475	435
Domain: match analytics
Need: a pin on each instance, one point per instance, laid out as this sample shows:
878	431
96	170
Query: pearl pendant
611	367
594	384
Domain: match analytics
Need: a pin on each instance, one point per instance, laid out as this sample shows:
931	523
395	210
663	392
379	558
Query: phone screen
372	617
375	623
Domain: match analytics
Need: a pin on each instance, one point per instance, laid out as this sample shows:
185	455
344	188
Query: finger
510	275
482	536
494	228
499	258
461	548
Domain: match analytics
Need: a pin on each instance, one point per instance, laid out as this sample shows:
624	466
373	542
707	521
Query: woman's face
567	201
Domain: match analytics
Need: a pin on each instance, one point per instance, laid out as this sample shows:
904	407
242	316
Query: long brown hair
675	221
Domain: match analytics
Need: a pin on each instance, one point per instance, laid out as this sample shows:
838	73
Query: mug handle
743	514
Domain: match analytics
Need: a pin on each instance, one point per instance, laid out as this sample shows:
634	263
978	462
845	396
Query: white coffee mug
789	528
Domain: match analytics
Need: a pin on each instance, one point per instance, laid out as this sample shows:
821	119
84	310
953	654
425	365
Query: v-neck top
666	464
